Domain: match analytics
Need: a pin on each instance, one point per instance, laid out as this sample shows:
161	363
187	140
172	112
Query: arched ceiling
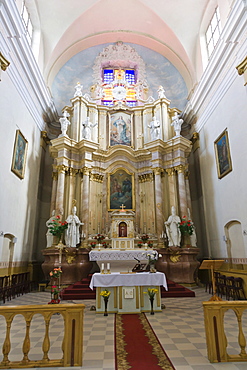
168	27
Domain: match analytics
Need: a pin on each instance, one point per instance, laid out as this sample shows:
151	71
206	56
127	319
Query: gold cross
122	206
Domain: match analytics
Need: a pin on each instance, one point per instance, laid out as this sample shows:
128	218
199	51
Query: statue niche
122	230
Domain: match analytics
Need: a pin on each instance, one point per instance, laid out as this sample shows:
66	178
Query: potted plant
187	229
57	227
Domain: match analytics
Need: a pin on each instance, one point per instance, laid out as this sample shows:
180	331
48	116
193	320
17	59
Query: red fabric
139	351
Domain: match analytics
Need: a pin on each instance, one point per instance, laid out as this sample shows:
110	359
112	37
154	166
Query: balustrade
72	344
214	313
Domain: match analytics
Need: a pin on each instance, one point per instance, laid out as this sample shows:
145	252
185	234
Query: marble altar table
128	291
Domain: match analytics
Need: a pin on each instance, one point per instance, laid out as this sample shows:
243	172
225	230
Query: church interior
120	152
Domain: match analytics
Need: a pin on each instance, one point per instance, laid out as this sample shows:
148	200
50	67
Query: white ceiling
170	27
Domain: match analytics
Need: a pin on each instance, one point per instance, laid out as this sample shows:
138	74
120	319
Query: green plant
57	227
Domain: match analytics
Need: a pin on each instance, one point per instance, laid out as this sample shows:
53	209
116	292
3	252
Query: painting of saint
19	155
120	129
120	190
223	158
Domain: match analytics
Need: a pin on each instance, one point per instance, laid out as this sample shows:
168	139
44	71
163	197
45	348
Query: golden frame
222	154
19	155
129	174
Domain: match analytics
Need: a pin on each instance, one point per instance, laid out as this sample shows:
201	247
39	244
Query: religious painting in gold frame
222	153
120	132
121	190
19	155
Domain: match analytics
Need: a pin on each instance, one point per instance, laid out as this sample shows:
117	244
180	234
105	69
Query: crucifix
122	208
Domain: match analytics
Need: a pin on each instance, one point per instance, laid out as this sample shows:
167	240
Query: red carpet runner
136	345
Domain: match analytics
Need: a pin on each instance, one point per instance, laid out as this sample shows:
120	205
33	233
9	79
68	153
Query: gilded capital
54	176
158	171
170	171
96	177
72	172
181	168
45	138
85	171
61	168
4	63
146	177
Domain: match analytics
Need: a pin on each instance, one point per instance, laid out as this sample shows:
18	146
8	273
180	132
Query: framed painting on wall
120	129
19	155
120	190
222	153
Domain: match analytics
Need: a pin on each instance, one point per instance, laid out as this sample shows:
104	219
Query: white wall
18	198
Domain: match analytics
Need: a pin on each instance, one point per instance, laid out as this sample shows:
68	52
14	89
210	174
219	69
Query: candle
102	267
108	266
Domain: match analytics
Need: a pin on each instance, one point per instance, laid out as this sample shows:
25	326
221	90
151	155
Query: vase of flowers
139	244
93	245
105	294
151	293
55	273
187	229
99	238
57	227
144	238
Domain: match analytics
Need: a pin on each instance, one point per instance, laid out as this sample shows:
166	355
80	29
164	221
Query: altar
119	260
128	291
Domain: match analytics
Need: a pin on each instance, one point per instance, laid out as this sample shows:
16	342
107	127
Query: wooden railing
72	344
214	313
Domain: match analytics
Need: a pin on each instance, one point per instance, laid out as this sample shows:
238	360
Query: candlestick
102	266
108	266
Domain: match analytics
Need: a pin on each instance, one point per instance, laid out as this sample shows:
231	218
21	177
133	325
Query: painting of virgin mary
120	129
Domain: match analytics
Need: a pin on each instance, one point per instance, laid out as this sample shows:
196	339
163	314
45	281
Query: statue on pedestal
87	128
172	230
72	236
177	124
78	89
161	92
154	129
64	122
49	235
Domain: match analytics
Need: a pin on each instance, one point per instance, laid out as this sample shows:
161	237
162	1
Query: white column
60	189
72	175
182	190
53	191
172	187
85	199
158	201
187	185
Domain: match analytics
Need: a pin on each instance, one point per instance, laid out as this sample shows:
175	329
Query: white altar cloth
137	279
114	255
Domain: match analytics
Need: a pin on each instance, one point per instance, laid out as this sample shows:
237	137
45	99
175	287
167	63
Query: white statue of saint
177	123
64	122
154	129
49	236
193	238
72	235
78	89
172	230
87	128
161	92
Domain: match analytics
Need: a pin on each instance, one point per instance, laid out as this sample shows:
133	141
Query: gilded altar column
72	175
158	202
61	169
182	190
187	185
85	200
53	191
172	186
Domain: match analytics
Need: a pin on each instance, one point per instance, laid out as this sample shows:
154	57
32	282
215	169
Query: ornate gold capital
61	168
85	171
170	171
54	176
181	168
97	177
158	171
146	177
45	137
72	172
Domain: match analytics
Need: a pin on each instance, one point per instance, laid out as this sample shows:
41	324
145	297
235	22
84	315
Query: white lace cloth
113	255
138	279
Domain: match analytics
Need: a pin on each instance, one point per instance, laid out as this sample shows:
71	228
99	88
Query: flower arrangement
54	289
152	257
93	244
105	294
55	273
186	226
144	238
57	227
151	292
139	244
54	301
99	237
150	244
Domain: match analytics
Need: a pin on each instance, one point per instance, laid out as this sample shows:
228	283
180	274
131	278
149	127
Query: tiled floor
179	327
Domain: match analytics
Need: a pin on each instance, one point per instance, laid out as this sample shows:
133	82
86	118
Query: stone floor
179	327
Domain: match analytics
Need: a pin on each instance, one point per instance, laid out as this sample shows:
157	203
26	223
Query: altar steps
81	290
